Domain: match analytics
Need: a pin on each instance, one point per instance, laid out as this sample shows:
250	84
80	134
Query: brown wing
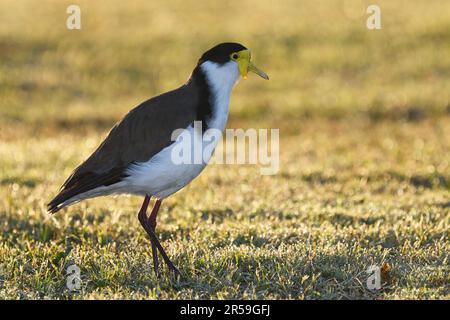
141	134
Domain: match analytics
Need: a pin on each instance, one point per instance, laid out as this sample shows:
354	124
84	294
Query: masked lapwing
136	156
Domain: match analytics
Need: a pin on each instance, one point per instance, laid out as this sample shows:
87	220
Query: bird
136	157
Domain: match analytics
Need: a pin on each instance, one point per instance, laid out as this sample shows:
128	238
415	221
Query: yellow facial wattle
245	65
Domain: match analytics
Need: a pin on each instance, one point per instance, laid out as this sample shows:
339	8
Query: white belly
161	176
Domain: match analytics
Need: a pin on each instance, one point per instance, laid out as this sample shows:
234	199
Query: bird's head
230	57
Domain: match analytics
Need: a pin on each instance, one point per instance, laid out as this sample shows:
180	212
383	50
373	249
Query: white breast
221	80
160	176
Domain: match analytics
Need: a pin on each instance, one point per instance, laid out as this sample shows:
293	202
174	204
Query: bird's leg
142	216
153	238
152	224
155	244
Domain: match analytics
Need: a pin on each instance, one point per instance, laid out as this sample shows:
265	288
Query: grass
364	177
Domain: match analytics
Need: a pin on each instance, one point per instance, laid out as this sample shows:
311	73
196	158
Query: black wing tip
59	201
54	206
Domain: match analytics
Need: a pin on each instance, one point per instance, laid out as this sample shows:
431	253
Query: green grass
364	179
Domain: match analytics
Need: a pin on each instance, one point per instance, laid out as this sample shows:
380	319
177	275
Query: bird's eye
234	56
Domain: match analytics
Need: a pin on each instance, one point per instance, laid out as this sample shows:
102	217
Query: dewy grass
364	175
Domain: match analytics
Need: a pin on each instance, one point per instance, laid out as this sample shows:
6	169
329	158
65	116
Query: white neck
221	79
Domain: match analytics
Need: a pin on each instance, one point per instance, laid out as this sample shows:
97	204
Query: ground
364	179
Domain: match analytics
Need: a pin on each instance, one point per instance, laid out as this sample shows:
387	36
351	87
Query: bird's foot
156	246
174	269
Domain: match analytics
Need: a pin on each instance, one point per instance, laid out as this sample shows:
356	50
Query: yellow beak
245	65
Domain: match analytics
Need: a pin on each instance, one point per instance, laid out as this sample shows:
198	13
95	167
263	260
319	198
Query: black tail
79	183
